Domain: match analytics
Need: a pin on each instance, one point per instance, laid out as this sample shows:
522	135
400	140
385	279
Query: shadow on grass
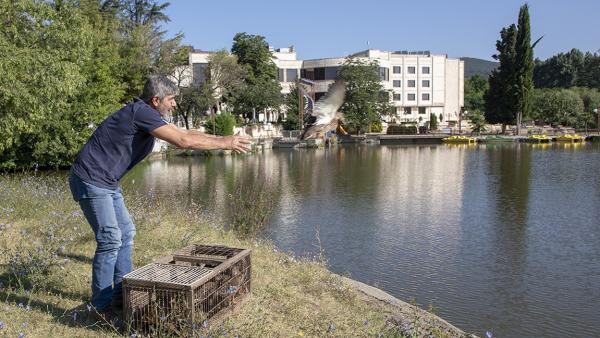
78	258
82	316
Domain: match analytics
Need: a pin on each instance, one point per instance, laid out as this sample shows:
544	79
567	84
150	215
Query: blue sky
335	28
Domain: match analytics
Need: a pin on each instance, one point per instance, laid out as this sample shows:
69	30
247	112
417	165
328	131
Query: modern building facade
420	83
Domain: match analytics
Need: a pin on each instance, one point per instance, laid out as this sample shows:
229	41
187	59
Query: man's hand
239	144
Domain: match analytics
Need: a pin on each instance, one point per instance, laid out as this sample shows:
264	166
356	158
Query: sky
333	28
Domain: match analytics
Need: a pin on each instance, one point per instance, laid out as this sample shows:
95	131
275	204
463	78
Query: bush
402	130
433	122
223	125
376	127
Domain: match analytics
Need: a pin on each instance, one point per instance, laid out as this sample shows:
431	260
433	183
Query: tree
225	76
500	98
290	101
523	66
563	70
475	89
433	122
221	125
194	101
559	107
52	95
366	100
478	122
262	89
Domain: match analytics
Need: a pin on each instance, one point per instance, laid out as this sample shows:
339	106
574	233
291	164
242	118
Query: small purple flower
89	307
488	334
163	318
2	325
24	325
20	305
331	327
21	335
205	323
366	322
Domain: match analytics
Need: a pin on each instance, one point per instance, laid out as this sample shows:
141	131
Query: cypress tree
523	65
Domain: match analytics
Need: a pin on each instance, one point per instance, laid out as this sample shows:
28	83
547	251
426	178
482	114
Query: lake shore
48	249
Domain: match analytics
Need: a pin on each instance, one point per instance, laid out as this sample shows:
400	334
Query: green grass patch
45	270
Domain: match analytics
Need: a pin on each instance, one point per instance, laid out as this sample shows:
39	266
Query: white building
420	83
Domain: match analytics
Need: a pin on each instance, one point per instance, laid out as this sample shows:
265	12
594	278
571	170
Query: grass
45	270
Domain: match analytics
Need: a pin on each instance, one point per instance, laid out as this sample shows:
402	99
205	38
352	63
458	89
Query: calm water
504	238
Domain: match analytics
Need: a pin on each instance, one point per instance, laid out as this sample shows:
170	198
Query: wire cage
178	294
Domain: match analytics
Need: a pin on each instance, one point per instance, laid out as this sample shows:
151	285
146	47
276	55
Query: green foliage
250	206
433	122
500	98
225	76
262	90
475	88
560	71
193	102
66	65
376	127
364	103
290	101
524	63
559	107
404	129
56	80
478	122
511	85
223	124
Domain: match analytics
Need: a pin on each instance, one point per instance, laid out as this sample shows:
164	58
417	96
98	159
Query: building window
412	97
425	70
280	72
422	110
331	73
397	97
319	74
307	74
412	70
407	110
397	83
397	70
199	73
412	83
384	74
425	96
291	75
426	83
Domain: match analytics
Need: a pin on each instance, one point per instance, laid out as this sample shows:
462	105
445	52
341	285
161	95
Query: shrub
223	124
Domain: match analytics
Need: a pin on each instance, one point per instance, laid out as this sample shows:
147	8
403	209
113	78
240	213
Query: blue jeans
106	213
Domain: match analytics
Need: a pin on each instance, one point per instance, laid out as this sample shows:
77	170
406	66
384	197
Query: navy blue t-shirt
119	143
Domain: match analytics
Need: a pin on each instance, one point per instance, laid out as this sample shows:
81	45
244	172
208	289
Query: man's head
159	92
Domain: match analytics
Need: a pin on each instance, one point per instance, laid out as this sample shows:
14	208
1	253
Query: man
122	140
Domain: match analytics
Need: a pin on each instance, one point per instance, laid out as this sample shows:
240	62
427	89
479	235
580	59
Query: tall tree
262	89
500	98
225	76
523	66
366	99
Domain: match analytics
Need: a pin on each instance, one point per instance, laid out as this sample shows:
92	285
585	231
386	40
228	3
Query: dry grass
290	297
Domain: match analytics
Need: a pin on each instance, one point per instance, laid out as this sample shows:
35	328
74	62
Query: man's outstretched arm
200	141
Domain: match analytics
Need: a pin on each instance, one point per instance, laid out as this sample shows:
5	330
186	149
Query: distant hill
481	67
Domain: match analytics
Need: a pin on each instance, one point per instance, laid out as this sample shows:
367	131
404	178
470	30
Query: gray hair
159	86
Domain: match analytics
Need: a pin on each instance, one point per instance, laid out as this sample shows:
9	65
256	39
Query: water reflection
501	237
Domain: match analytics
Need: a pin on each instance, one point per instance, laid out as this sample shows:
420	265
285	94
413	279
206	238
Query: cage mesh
179	294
